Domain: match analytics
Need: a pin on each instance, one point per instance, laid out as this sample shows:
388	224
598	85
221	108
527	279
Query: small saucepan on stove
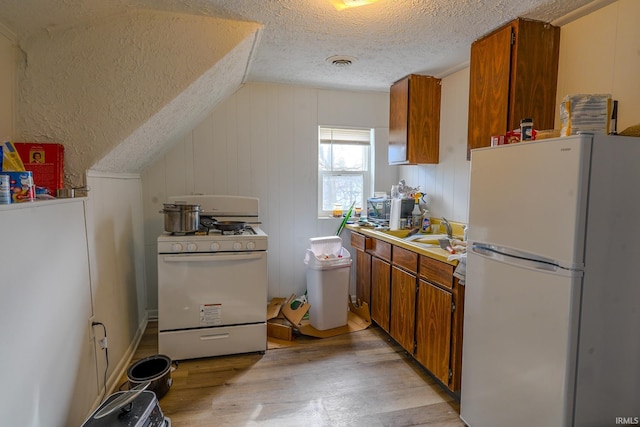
228	225
181	218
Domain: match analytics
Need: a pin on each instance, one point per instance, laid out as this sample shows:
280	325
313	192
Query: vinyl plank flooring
356	379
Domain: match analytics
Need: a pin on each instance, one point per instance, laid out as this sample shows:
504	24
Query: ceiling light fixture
356	3
341	61
344	4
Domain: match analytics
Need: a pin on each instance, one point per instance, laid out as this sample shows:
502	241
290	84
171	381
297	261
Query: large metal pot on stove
181	218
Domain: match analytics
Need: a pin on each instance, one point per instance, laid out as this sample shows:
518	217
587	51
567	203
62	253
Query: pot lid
175	207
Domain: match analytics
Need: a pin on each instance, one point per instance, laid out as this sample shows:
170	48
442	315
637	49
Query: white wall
447	183
600	53
49	374
116	252
262	142
62	263
8	46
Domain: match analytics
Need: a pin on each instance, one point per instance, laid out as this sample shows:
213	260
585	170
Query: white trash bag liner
327	262
329	245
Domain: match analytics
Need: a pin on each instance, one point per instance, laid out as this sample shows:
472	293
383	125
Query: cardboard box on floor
282	320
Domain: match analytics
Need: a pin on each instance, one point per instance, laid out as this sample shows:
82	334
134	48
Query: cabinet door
513	75
398	121
534	74
489	71
424	120
414	120
363	277
433	329
403	308
380	292
457	329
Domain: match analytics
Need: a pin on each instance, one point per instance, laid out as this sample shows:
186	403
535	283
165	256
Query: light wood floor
357	379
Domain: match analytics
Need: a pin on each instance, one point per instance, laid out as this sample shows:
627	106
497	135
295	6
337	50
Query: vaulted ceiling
117	81
387	39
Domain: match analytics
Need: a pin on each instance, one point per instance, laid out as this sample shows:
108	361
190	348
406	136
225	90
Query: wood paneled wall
447	183
262	142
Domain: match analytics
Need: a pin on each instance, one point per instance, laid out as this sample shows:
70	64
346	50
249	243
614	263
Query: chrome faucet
447	226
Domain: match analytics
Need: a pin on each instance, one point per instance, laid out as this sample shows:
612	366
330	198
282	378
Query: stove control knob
237	246
191	247
176	247
215	246
251	246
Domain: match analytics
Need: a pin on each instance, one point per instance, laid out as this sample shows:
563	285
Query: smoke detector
341	61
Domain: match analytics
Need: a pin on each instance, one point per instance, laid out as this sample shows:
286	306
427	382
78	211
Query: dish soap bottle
426	222
416	215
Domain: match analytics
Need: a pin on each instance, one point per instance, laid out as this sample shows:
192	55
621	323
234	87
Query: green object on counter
345	219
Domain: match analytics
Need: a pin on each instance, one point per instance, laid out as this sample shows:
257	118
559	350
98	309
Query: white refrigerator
552	305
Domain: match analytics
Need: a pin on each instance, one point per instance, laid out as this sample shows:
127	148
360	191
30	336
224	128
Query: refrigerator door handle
520	259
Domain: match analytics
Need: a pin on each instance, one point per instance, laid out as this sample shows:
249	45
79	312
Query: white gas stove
250	238
212	284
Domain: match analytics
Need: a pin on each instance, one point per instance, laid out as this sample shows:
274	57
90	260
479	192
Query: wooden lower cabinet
417	301
433	330
380	292
363	267
403	308
363	277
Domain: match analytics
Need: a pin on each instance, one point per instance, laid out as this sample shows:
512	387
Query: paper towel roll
394	215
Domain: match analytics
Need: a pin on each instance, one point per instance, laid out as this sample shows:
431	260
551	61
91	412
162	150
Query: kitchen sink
401	234
425	245
428	239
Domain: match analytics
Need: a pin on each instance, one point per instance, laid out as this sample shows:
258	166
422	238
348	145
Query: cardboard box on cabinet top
46	161
281	316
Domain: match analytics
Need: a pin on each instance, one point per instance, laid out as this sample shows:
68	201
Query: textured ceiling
389	39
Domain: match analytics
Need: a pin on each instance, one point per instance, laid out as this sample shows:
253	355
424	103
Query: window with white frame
344	168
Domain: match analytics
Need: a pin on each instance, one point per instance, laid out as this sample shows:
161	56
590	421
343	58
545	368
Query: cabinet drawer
406	259
437	272
360	242
380	249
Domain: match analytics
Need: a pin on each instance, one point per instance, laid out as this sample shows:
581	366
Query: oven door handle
214	258
213	337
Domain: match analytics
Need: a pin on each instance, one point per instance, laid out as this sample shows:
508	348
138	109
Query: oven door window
205	290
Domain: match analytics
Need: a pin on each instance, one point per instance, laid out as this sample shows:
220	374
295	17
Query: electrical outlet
92	334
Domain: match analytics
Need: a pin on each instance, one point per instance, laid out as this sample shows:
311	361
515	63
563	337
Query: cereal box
21	186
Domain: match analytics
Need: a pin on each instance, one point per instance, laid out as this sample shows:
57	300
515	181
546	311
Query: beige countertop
397	238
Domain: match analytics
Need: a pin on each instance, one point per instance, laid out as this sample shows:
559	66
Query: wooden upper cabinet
414	120
513	75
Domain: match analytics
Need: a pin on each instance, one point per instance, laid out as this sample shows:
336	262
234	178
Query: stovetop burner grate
204	231
247	230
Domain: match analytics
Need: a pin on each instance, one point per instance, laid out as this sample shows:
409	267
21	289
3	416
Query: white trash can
328	288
